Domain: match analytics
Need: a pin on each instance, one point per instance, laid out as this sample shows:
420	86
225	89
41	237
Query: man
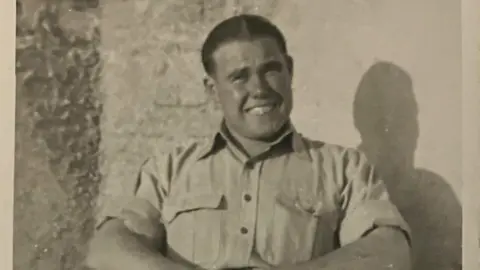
258	195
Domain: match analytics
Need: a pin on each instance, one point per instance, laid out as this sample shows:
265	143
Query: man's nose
259	87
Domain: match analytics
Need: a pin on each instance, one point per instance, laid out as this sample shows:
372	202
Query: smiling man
257	195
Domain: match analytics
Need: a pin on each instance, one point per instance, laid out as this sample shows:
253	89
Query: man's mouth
261	109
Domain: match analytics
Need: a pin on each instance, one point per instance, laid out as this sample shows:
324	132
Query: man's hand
383	248
259	263
142	219
149	230
115	246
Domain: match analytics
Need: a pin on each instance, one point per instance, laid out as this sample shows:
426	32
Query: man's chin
266	132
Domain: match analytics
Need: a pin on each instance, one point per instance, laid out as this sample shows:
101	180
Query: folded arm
129	232
383	248
116	247
372	233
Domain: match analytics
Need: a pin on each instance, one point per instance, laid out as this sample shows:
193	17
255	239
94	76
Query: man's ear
211	91
210	88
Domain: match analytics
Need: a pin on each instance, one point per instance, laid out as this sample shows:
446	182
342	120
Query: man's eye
239	78
273	72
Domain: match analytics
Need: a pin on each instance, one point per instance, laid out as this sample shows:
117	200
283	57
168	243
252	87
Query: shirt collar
220	138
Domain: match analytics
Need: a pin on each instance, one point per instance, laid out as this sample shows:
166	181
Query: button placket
251	199
246	228
249	206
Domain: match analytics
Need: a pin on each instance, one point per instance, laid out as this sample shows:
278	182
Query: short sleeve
142	193
365	201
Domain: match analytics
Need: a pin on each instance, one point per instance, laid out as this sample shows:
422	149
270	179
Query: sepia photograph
228	134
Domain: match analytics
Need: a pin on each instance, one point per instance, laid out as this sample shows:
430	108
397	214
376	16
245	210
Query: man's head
250	75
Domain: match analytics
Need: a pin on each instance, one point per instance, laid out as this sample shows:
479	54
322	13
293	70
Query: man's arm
129	233
372	233
115	247
383	248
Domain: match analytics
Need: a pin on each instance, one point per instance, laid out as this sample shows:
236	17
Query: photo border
470	131
7	130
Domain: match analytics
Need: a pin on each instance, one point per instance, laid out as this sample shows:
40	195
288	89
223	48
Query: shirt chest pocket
300	228
193	224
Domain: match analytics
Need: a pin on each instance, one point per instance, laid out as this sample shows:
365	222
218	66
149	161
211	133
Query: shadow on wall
385	114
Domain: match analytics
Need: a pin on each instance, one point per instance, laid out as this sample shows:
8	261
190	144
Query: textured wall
383	76
57	140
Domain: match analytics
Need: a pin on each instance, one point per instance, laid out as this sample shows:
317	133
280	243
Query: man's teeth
261	110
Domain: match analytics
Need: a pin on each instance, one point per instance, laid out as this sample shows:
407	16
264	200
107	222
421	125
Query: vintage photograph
228	134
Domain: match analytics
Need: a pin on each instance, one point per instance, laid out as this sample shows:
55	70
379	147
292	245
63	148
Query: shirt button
247	197
249	165
244	230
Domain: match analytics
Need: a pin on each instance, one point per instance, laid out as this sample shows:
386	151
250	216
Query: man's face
252	82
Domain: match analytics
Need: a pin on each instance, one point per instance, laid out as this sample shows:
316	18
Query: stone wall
57	141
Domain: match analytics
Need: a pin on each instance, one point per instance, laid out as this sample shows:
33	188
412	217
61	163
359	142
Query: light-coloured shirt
298	200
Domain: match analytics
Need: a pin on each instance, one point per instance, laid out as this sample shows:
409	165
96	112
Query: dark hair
239	27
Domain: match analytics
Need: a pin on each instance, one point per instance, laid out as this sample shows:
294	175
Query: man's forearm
383	248
117	248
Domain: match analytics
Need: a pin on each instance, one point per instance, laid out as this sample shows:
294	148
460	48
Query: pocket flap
190	202
304	206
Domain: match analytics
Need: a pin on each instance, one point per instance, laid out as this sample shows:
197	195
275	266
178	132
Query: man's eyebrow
271	64
237	71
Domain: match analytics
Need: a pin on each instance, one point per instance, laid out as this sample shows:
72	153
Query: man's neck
253	147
